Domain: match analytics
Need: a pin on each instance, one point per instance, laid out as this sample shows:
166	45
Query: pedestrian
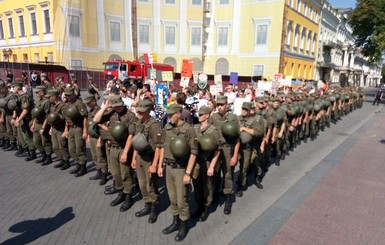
378	96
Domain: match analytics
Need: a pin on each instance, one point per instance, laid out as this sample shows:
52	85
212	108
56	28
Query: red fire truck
134	70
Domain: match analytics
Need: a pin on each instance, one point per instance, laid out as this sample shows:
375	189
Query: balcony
329	44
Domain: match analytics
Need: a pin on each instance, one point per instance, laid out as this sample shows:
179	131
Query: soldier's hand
280	135
210	171
123	158
50	131
133	164
1	120
233	161
262	149
31	128
85	135
186	179
152	169
16	123
160	171
41	131
64	135
13	121
108	104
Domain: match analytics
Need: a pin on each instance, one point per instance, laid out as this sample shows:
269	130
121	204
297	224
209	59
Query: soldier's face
174	118
222	108
203	117
276	104
245	112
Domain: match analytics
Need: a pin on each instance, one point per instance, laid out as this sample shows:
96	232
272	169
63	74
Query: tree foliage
368	24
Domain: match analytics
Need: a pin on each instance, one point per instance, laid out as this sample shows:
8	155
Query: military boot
257	182
182	233
60	164
121	198
110	186
173	227
145	211
42	158
20	151
65	165
2	142
127	204
32	156
228	204
82	171
48	160
6	145
153	214
103	179
12	147
198	212
204	215
76	169
240	191
98	175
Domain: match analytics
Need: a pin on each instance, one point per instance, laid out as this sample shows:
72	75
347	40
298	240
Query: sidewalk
348	206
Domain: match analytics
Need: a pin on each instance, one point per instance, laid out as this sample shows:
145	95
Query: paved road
43	205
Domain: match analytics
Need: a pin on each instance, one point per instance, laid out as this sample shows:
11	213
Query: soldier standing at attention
40	128
207	158
179	155
121	128
45	81
57	122
21	119
98	153
147	145
230	149
10	140
76	131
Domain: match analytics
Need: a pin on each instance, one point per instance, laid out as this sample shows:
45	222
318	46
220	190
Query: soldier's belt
116	146
173	164
74	126
246	147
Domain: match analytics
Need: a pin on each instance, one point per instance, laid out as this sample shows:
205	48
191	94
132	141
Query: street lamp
7	54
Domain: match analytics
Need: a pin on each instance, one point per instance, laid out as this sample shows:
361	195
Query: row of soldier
206	154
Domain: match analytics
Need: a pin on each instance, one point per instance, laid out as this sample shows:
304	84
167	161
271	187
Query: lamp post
7	53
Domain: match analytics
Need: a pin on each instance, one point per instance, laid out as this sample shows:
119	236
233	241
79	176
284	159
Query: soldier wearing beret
147	145
40	128
179	164
76	131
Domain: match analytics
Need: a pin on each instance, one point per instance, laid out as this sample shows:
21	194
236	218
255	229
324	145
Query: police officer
230	150
206	162
147	144
57	122
40	128
21	119
121	128
250	129
98	153
76	131
179	155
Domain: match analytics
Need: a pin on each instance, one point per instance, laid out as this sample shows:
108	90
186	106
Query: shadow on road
32	230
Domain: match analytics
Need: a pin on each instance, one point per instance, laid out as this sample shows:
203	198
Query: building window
258	70
308	42
14	57
295	44
261	34
1	30
47	21
224	2
74	26
303	36
76	64
10	26
25	57
170	35
145	1
223	36
316	16
196	2
170	1
37	57
311	13
313	44
21	26
171	61
299	5
291	3
222	67
305	9
115	31
196	34
289	29
50	57
144	34
33	24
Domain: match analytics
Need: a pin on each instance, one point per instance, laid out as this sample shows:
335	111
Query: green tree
368	24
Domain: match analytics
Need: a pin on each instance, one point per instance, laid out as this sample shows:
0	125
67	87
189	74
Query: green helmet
310	107
72	112
3	102
317	107
93	130
208	142
53	118
91	89
230	129
179	146
12	104
37	112
119	131
246	138
332	98
139	142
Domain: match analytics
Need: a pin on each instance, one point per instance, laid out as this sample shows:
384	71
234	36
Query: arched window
171	61
289	30
303	36
308	42
314	43
114	57
222	67
198	66
295	45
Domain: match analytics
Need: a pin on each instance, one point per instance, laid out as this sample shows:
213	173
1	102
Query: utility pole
282	62
205	29
134	28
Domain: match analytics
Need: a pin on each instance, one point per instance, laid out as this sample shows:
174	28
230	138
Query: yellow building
244	36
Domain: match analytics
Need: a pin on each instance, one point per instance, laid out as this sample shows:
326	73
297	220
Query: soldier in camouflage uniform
178	169
278	145
76	131
146	158
230	151
119	151
40	128
45	81
11	130
206	162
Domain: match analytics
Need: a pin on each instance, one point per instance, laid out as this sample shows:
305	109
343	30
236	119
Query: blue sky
343	3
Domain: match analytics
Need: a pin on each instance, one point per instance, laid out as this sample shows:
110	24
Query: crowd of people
195	139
